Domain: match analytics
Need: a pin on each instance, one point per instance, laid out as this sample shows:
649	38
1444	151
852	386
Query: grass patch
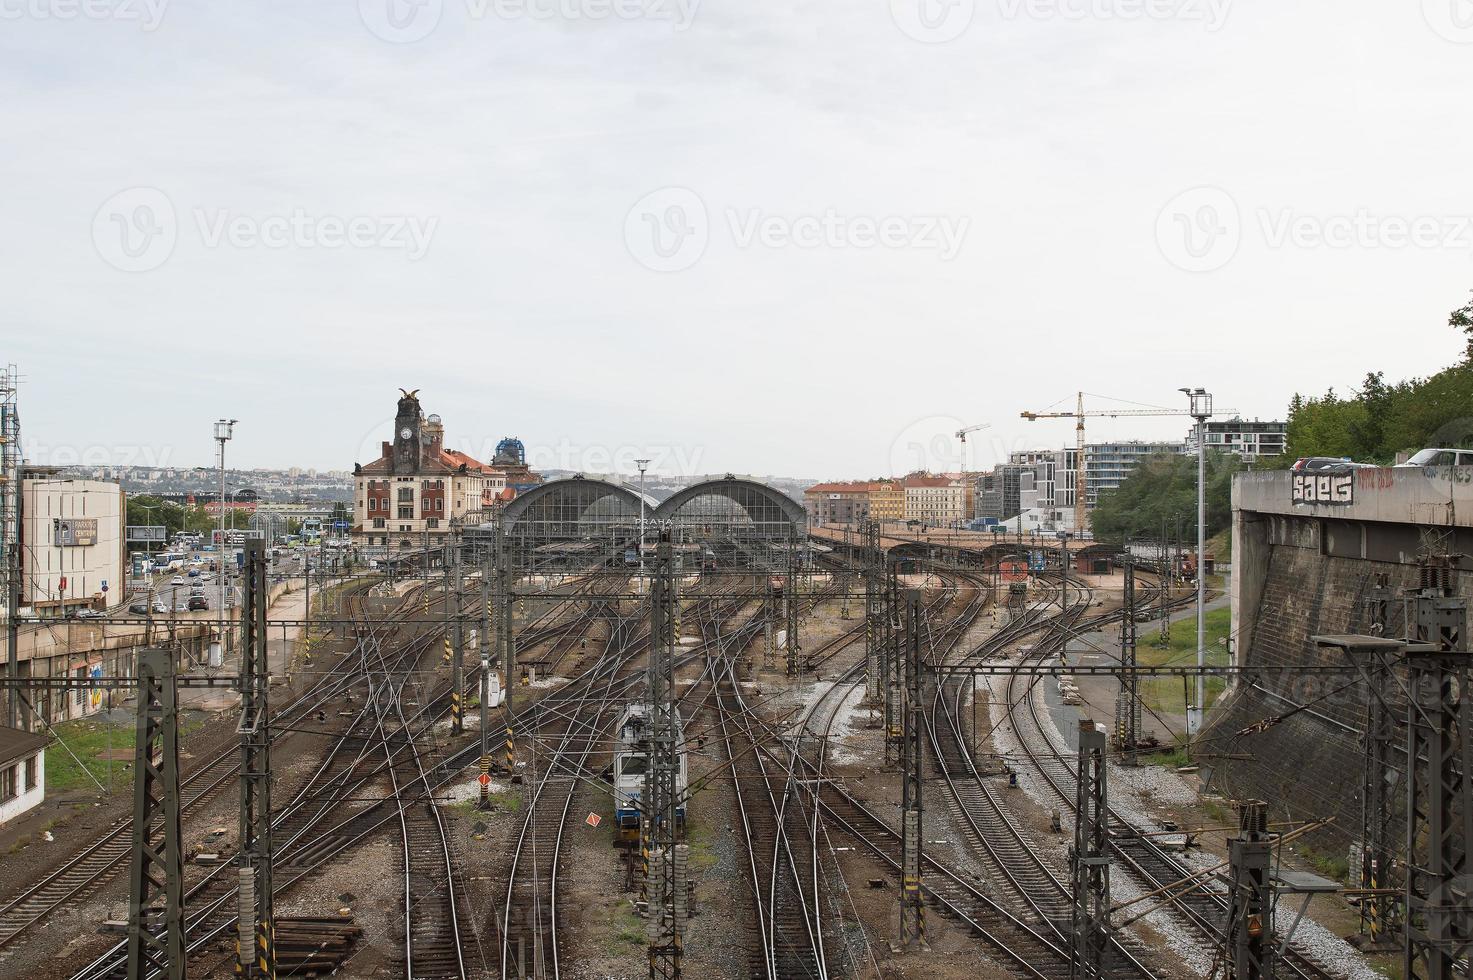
1167	694
702	858
90	742
1174	759
627	930
1329	865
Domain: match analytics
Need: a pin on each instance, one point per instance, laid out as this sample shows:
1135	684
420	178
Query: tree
1162	490
1462	319
146	509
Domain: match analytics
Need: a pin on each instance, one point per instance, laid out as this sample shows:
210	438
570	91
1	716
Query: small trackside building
22	772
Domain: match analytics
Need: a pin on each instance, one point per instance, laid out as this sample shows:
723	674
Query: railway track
1153	867
529	922
99	862
779	849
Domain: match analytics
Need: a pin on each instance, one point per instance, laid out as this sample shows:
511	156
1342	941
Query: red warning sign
593	820
484	779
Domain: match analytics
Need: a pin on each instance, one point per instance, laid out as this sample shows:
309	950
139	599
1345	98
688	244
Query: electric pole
665	927
1439	929
1089	860
156	878
255	953
912	901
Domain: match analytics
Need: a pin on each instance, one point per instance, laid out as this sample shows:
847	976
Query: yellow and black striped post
266	949
644	859
511	749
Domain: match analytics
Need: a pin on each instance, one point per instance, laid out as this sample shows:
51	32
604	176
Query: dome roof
510	450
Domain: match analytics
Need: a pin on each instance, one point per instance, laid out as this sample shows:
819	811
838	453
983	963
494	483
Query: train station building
419	489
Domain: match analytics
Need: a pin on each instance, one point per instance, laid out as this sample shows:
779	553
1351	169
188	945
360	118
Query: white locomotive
631	760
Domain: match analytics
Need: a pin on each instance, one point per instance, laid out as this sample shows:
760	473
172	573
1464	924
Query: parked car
138	609
198	602
1441	457
1327	464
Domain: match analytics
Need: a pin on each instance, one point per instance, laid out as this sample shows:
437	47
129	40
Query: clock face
405	432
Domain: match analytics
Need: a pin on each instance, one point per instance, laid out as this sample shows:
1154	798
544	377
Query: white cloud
528	140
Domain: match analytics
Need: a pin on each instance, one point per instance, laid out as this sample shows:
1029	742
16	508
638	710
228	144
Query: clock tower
408	434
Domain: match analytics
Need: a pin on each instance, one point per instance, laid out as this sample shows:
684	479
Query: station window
7	783
32	776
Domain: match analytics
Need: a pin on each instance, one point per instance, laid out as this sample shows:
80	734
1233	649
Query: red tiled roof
853	486
448	461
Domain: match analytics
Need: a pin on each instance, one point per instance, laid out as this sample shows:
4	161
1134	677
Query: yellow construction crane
1080	496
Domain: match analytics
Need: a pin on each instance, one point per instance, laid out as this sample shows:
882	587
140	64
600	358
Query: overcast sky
802	238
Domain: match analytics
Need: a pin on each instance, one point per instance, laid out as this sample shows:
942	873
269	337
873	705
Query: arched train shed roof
763	504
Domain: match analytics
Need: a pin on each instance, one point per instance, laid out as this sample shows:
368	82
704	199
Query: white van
1441	457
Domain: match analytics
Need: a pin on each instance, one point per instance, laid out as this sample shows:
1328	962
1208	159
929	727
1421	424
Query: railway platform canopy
574	509
981	548
728	515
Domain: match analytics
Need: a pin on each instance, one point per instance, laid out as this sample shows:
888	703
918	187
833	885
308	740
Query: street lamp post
1201	410
642	464
224	429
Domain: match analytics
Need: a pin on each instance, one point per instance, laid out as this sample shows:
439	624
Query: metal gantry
894	655
1089	860
10	545
1381	810
1439	752
912	900
792	607
255	951
156	879
876	619
665	925
457	634
1249	953
1128	698
483	647
506	642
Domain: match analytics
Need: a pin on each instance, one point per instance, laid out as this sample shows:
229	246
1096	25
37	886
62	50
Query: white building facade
22	772
72	549
1248	440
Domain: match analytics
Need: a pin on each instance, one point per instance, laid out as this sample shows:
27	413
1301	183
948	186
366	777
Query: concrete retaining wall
1301	570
